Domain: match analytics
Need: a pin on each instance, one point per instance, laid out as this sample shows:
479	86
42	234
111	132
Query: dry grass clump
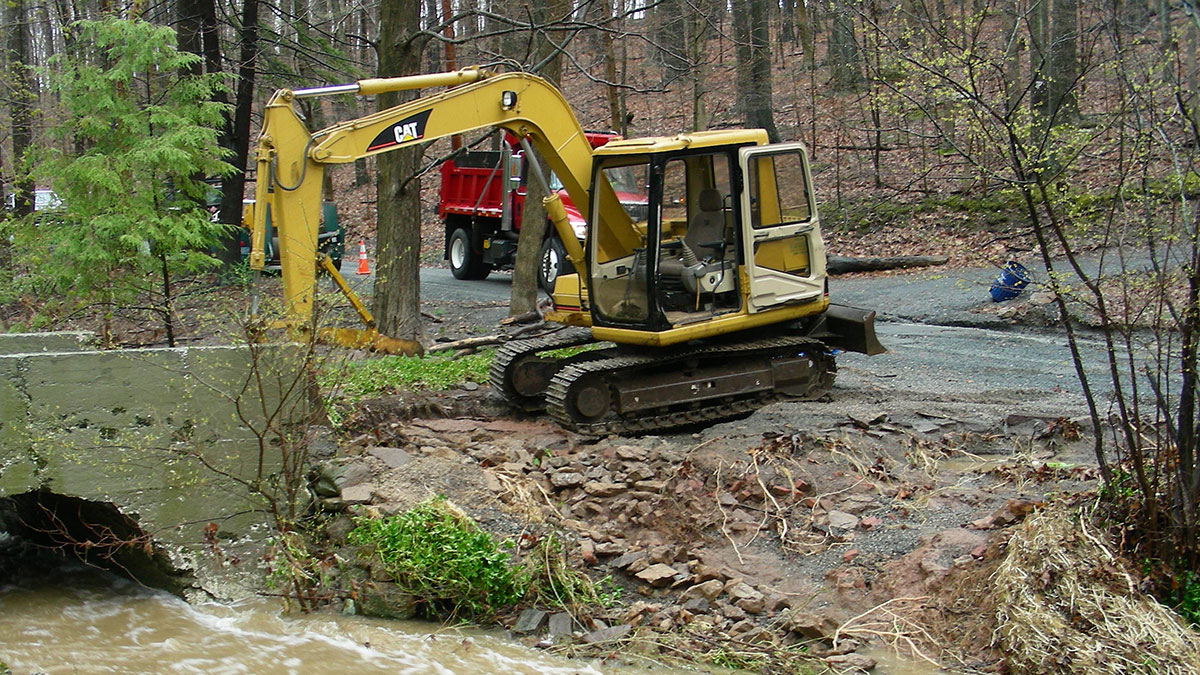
1065	605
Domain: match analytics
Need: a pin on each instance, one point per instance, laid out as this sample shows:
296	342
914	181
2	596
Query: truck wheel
465	262
553	264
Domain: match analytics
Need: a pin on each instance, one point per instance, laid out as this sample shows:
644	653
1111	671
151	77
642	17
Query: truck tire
553	263
466	263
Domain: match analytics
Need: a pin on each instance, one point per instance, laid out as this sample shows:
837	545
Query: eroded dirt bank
834	522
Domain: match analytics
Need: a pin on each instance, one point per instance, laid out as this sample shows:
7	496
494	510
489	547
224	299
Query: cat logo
406	132
411	128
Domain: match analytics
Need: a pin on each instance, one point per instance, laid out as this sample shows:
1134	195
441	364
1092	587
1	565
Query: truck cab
481	202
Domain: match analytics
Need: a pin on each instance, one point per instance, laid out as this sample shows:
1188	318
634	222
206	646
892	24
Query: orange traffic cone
364	267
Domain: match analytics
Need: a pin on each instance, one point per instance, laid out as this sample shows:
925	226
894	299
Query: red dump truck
480	204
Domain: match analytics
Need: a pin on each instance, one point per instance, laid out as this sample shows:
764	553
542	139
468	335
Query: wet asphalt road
944	338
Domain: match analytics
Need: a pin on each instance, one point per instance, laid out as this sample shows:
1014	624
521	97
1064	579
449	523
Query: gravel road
943	333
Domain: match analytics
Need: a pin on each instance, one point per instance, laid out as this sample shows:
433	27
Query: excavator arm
291	160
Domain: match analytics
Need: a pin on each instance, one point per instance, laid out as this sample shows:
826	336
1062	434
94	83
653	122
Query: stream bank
752	543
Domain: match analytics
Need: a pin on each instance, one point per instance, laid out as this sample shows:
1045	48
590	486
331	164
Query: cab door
785	256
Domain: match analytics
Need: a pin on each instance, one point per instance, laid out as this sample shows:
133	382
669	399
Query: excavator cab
731	233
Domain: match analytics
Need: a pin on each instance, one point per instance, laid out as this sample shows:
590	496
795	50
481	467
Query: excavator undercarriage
624	389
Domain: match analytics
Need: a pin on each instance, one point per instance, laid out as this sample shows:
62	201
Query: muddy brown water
80	620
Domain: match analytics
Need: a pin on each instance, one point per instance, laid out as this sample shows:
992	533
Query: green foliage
553	583
137	135
386	374
438	555
1185	597
1120	489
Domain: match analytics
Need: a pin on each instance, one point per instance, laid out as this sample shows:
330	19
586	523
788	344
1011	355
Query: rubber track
556	393
511	352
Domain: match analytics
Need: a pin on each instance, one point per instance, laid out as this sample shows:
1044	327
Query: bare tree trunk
198	33
1062	87
1012	61
752	33
804	29
397	301
610	71
696	38
1164	24
533	217
234	185
666	32
1039	54
843	54
23	99
787	30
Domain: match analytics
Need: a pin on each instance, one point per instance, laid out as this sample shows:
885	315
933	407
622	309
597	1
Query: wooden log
844	265
481	341
527	317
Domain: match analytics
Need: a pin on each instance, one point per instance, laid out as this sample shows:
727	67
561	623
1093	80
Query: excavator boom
291	160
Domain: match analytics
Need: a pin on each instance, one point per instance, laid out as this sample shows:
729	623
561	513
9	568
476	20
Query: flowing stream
74	619
65	618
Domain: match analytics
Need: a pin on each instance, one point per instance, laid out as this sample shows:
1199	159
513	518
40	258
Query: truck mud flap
850	329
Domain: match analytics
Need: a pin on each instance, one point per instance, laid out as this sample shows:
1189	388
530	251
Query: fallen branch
844	265
481	341
527	317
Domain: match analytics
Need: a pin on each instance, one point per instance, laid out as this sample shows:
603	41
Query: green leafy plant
137	134
358	379
438	555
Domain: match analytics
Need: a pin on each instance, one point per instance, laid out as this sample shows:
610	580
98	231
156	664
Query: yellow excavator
700	291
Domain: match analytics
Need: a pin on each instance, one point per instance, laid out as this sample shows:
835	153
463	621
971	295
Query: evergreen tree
136	135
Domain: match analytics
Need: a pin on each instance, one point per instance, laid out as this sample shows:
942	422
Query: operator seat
706	232
705	236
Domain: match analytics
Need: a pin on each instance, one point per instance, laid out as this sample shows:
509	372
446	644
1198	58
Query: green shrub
438	555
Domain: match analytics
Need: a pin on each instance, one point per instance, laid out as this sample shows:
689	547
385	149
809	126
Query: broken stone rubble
652	512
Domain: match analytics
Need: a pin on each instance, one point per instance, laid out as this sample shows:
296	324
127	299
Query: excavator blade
849	329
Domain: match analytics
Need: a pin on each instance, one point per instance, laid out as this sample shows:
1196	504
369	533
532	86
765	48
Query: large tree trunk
1063	104
234	186
843	54
697	26
523	298
1039	54
397	302
804	30
197	29
610	72
787	32
1012	60
752	32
